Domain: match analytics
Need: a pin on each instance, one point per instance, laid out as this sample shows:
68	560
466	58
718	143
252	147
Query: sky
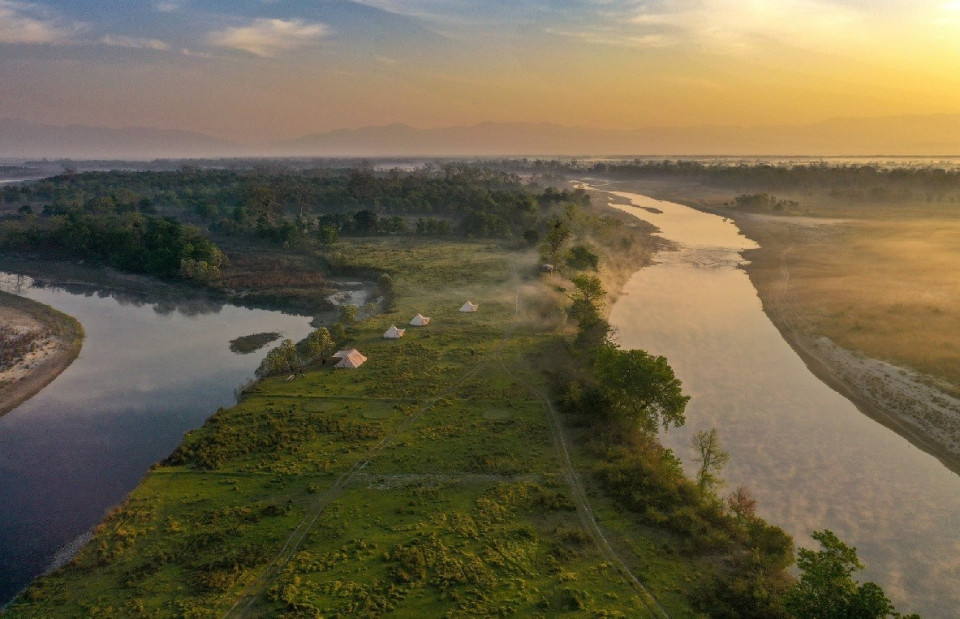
262	70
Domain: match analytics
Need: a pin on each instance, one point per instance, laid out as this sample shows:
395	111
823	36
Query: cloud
726	26
134	42
167	7
268	37
31	24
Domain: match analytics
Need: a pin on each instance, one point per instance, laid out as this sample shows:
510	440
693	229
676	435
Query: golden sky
260	70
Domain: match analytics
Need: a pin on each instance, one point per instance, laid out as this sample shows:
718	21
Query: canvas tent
393	333
350	359
469	307
420	321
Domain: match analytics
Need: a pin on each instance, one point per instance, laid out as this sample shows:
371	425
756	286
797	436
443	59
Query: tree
742	503
264	203
589	288
281	359
318	344
556	236
593	331
348	315
711	457
366	222
583	258
827	590
641	387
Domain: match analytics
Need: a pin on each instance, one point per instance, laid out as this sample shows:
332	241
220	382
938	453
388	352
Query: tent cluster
352	359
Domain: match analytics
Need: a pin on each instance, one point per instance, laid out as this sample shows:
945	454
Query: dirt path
58	342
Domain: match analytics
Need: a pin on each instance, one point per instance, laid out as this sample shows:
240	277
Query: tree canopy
826	588
641	387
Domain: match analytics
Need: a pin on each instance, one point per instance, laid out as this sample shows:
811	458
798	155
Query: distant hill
19	138
894	135
899	135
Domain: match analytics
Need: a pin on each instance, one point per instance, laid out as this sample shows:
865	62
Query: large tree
641	388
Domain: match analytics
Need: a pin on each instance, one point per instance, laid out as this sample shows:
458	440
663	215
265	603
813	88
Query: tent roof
393	333
344	353
352	360
469	307
420	321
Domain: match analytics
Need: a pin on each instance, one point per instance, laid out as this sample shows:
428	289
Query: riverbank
922	408
56	341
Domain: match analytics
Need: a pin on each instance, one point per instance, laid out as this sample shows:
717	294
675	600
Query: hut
469	307
350	359
393	333
420	321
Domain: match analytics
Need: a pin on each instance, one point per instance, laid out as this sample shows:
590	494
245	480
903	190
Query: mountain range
937	135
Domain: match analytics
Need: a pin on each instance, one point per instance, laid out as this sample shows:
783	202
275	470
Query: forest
171	223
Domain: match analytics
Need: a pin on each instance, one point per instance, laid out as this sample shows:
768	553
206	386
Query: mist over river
809	456
147	373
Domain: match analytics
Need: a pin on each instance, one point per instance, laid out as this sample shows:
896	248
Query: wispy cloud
112	40
269	37
168	7
27	23
729	22
728	26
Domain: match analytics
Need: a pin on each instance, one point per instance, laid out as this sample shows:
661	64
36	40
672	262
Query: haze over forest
173	78
903	135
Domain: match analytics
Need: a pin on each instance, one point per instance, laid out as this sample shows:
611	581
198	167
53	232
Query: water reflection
149	370
810	456
186	305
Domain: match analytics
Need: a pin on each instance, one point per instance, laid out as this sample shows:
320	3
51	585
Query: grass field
425	483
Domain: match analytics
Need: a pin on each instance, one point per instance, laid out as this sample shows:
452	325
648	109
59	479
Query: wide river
147	373
809	456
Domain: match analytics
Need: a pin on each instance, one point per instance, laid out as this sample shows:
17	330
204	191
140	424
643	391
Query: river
809	456
147	373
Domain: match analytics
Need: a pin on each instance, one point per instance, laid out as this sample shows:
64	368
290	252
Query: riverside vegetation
436	480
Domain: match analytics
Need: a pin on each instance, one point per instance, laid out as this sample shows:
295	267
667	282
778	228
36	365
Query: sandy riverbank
921	408
57	342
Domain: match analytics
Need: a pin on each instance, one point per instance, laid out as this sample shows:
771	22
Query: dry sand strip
55	350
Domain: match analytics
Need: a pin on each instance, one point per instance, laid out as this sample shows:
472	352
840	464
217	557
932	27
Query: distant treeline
161	222
283	204
853	181
764	202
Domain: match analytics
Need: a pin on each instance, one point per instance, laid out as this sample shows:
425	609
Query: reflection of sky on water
812	459
145	375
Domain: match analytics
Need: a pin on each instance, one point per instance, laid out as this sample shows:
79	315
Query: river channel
809	456
147	373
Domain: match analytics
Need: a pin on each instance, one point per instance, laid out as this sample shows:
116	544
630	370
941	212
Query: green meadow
425	483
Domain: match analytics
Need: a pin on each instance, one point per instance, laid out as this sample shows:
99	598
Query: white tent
393	333
420	321
469	307
350	359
